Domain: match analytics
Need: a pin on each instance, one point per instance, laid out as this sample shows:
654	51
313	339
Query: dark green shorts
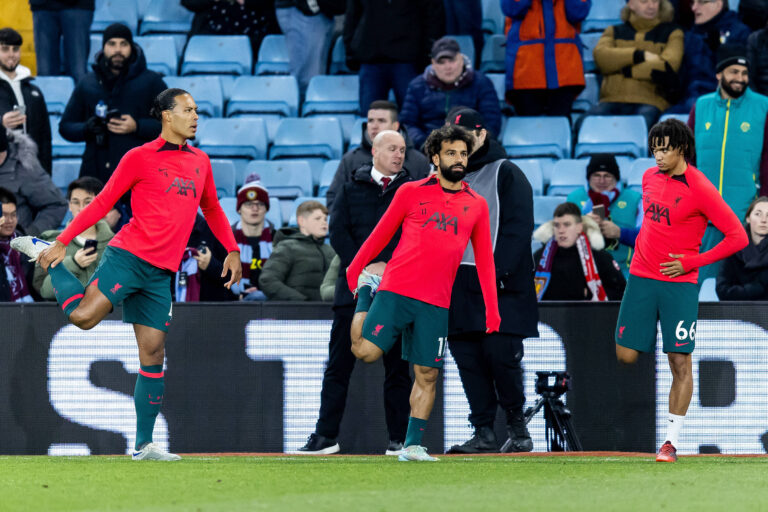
648	301
144	289
424	327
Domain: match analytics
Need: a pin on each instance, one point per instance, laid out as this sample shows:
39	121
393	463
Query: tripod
558	428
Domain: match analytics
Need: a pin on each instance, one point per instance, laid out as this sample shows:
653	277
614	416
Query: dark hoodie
744	275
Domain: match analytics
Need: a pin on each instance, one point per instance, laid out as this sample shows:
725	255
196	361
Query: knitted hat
730	54
467	118
116	30
603	162
253	190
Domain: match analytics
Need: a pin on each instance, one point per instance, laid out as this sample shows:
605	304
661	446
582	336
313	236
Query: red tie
385	183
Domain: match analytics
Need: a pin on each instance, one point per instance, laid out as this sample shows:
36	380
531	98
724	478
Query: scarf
544	269
252	260
603	198
14	272
188	278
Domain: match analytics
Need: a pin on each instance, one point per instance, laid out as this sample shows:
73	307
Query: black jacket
58	5
38	124
359	205
211	283
757	53
512	255
132	93
568	283
415	163
744	275
393	31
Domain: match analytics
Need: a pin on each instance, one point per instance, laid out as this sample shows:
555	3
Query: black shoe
484	441
519	438
318	445
394	448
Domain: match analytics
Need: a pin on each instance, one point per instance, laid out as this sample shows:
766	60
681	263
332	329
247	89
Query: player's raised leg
367	285
422	400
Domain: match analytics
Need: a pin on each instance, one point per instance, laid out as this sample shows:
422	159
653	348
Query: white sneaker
29	245
415	453
368	279
153	452
394	448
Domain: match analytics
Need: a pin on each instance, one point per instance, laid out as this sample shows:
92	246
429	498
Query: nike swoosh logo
438	359
681	344
136	454
425	202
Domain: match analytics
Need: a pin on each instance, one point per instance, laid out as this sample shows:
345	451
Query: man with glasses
15	272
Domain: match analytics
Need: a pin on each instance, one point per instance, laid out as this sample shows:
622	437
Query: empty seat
356	133
589	96
602	15
683	118
108	12
493	18
636	172
229	205
328	94
544	207
94	48
708	292
326	176
339	58
275	213
532	170
273	57
538	136
206	90
239	138
589	42
56	91
494	54
283	178
499	83
466	45
297	202
264	95
166	16
60	147
160	52
307	137
64	171
218	54
620	135
224	176
567	176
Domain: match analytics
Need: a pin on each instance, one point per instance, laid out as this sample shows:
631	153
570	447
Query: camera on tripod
552	383
558	427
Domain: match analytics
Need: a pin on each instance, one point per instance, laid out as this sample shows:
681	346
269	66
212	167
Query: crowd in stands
413	66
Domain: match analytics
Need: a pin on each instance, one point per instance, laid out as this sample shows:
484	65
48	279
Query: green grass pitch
378	483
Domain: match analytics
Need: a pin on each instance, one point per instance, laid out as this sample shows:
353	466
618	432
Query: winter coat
42	281
392	31
744	275
40	205
543	48
415	163
38	125
620	57
328	286
296	267
757	54
132	94
60	5
567	281
428	101
27	267
512	255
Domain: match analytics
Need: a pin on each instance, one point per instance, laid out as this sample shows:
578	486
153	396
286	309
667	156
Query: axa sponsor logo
183	187
443	222
657	213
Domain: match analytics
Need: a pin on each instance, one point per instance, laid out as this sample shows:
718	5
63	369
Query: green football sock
147	397
364	299
68	289
415	431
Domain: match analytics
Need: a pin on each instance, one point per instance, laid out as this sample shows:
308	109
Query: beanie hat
730	54
603	162
3	139
116	30
253	190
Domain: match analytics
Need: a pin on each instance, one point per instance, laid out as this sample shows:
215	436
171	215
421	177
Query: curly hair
450	133
680	137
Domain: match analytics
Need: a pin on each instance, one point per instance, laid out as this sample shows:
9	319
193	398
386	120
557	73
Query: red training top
168	183
436	228
677	209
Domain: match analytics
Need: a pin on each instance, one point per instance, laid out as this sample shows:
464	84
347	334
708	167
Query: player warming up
169	180
678	201
438	216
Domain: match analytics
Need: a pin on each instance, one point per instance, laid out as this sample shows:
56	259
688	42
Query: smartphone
599	210
90	246
112	114
22	109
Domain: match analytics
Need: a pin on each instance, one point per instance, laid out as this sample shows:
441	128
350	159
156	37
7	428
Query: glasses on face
254	205
77	203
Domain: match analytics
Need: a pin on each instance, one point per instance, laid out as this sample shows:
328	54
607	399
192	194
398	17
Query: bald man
359	205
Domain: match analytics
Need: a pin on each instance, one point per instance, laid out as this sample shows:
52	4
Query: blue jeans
69	28
308	39
377	79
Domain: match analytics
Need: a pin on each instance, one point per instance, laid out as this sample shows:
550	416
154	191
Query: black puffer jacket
744	275
757	53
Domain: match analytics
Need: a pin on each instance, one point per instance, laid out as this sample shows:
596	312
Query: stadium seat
275	212
217	54
307	137
273	57
567	176
707	292
326	177
339	59
283	178
108	12
589	96
206	90
94	48
544	164
264	95
229	205
165	16
494	54
227	84
493	18
356	133
297	202
620	135
544	207
466	45
636	171
224	177
64	171
532	170
602	15
589	42
499	83
160	52
60	147
56	91
538	136
680	117
238	138
328	94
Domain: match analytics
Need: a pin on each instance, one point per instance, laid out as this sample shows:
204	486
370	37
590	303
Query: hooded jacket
744	275
131	93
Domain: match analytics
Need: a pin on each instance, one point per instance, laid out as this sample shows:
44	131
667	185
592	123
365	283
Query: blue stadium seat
56	91
567	176
326	177
589	41
308	137
275	212
589	96
60	147
328	94
620	135
602	15
273	57
94	48
339	59
683	118
544	207
160	52
635	175
166	16
707	292
238	138
356	133
499	83
544	164
227	84
108	12
264	95
224	176
217	54
229	205
493	18
494	54
64	171
206	90
297	202
538	136
283	178
466	44
532	170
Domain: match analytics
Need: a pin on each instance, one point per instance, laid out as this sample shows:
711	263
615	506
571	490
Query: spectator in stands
300	257
754	13
389	42
62	27
448	82
714	25
736	160
622	208
109	108
85	251
382	115
543	78
565	270
744	275
40	205
22	105
359	205
328	286
466	17
757	55
639	60
307	25
15	270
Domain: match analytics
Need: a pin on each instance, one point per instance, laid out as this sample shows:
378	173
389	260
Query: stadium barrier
246	377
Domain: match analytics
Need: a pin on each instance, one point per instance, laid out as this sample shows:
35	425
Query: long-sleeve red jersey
436	227
168	183
677	209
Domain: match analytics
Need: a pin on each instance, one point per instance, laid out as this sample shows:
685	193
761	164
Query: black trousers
490	371
341	362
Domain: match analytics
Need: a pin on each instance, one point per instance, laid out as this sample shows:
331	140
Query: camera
552	383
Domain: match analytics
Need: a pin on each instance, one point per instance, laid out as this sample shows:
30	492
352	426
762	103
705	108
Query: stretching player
678	201
168	180
438	216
